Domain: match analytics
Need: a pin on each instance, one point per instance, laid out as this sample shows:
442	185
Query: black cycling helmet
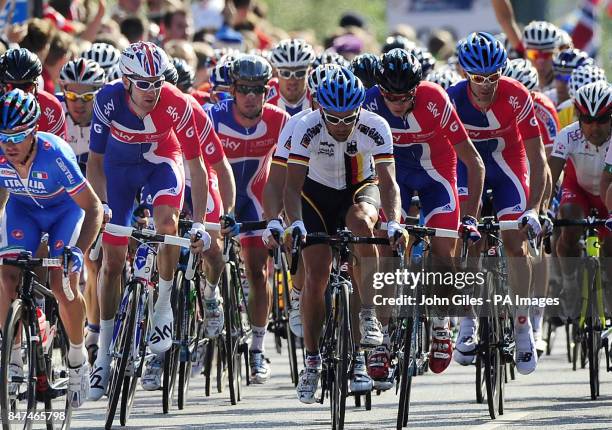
170	74
393	42
364	66
186	75
253	68
20	65
398	71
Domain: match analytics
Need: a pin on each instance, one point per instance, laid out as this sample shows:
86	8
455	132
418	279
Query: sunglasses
248	89
482	80
587	119
146	85
536	54
15	138
335	120
86	97
398	98
561	77
292	74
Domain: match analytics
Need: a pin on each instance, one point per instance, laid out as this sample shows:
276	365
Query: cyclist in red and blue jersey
140	131
428	137
48	194
249	130
499	117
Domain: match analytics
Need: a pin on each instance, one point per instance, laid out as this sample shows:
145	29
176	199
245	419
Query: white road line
507	418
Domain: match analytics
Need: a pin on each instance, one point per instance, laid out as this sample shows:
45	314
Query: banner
14	12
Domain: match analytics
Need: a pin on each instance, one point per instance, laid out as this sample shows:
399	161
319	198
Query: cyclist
541	39
80	80
141	128
428	137
291	58
338	153
584	144
580	77
107	56
499	116
186	77
249	129
445	77
20	68
363	66
48	193
564	63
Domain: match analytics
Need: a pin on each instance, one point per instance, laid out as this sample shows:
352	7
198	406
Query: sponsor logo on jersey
433	108
372	106
33	185
2	159
108	107
64	169
513	100
97	128
171	110
8	172
124	136
288	144
533	121
47	146
50	114
59	244
189	132
372	133
454	126
351	148
325	148
17	234
40	175
209	149
310	134
271	93
230	144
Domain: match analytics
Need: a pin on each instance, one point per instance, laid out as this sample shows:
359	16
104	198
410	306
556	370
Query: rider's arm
98	138
505	16
606	181
548	190
273	191
467	153
389	190
296	173
560	152
89	202
96	175
227	185
4	195
199	188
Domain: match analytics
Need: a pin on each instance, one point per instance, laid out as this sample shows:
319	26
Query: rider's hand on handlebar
547	224
273	230
75	259
469	226
532	222
200	240
229	225
398	236
288	236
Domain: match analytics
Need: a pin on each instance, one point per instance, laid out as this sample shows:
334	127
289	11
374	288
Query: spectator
352	19
62	49
404	30
38	38
125	8
135	28
177	25
441	44
182	49
348	45
205	59
207	15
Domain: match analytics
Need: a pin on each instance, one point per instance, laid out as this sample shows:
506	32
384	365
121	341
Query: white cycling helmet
104	54
114	73
564	40
445	77
523	71
585	75
82	71
144	59
541	35
318	74
594	99
292	53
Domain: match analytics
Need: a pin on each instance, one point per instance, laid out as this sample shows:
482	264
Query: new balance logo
95	380
160	335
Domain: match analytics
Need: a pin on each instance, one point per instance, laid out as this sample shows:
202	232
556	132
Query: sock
367	311
521	319
210	292
163	298
92	335
16	357
535	315
106	336
313	360
385	332
439	322
295	294
258	338
77	354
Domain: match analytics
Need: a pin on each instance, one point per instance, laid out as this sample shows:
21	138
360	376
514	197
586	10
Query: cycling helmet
143	59
221	75
569	59
251	68
18	110
480	53
114	73
221	53
186	75
594	99
541	35
425	58
585	75
564	41
104	54
292	53
512	53
363	66
444	77
317	75
398	71
340	91
329	57
393	42
523	71
170	74
20	65
82	71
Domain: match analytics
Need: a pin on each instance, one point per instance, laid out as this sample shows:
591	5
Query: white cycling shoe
160	340
78	384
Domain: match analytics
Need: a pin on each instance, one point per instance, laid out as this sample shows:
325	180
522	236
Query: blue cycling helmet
340	91
480	53
18	110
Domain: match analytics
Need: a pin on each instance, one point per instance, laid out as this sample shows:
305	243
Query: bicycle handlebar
147	235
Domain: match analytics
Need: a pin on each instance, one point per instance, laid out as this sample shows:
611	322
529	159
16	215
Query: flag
585	33
40	175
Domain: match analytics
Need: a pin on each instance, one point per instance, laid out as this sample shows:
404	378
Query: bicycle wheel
26	386
122	350
480	382
56	360
291	338
229	307
489	336
593	329
408	370
343	357
189	340
171	355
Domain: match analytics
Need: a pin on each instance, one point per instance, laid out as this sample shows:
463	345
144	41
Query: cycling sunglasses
146	85
561	77
482	80
587	119
536	54
86	97
398	98
248	89
335	120
292	74
15	138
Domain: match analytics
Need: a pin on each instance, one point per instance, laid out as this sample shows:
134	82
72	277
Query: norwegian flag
585	31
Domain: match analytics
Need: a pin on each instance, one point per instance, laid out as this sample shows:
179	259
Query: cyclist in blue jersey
48	194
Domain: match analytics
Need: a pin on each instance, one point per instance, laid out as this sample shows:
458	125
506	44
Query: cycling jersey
43	202
588	160
281	154
340	165
202	97
499	134
548	120
552	95
425	160
567	113
143	151
275	98
52	119
77	136
249	152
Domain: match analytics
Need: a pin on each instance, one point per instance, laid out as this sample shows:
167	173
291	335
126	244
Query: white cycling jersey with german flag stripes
340	165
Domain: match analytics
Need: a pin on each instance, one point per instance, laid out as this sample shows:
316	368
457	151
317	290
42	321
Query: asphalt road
554	397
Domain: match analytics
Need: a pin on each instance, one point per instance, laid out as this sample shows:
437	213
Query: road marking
507	419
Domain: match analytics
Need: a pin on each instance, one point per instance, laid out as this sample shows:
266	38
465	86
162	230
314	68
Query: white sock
211	291
535	315
106	336
295	294
163	298
77	354
92	334
257	342
439	322
521	319
385	332
16	357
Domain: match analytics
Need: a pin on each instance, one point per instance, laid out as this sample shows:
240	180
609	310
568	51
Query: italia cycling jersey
249	152
281	154
340	165
548	120
275	98
425	160
52	119
77	135
499	133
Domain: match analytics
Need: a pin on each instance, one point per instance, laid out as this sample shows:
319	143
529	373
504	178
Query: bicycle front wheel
343	358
